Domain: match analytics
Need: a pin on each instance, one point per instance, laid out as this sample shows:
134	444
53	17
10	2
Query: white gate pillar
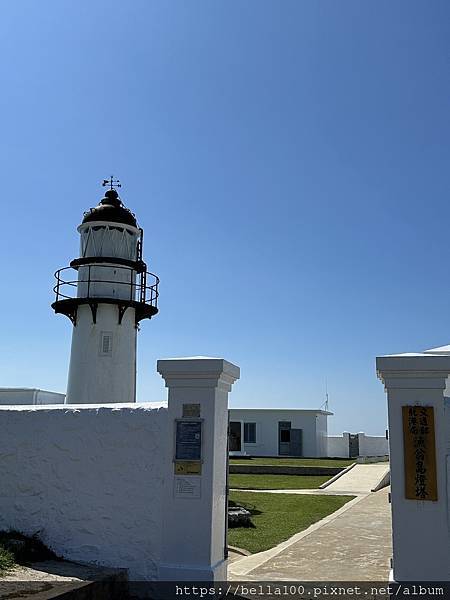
419	524
193	545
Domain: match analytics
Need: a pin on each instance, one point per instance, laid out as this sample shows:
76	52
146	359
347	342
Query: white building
279	432
12	396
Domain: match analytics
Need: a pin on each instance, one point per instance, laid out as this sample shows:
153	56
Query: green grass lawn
295	462
276	482
276	517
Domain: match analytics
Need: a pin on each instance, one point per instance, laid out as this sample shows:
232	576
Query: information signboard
188	440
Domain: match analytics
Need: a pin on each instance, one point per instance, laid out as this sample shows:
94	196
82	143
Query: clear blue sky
288	161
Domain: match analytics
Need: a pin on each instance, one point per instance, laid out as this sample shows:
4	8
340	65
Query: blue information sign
188	440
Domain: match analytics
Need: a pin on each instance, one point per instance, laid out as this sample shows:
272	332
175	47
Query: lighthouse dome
111	209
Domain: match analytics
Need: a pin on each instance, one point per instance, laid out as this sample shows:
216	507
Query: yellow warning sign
188	467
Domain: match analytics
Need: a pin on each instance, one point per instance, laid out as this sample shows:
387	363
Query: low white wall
88	479
369	445
338	445
372	445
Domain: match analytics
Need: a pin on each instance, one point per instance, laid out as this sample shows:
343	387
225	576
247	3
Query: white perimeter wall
77	476
372	445
267	429
369	445
338	445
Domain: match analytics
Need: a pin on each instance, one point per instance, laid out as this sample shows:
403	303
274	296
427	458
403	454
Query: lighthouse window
105	343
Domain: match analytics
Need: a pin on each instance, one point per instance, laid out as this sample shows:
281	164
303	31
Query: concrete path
352	544
361	479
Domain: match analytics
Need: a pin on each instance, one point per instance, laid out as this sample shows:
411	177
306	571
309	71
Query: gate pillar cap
197	366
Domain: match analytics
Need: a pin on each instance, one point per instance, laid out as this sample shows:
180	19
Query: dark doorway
235	441
284	438
353	445
289	440
296	442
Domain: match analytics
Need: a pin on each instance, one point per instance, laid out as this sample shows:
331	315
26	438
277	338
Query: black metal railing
140	287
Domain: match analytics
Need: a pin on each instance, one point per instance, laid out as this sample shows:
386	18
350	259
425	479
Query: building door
296	442
234	439
353	445
284	438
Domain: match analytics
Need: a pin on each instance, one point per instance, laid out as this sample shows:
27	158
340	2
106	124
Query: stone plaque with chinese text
420	453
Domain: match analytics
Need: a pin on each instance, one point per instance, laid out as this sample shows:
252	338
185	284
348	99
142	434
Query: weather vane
113	183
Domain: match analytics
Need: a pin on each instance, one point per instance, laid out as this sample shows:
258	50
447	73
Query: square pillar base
204	573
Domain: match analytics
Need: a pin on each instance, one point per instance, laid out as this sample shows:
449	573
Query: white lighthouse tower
106	293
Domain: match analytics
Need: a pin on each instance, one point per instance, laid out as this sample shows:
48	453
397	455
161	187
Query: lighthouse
106	292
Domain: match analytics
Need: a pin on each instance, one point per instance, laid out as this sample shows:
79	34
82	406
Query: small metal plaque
188	440
188	467
187	487
191	411
419	453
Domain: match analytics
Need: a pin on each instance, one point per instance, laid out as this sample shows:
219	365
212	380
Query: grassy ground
295	462
276	517
276	482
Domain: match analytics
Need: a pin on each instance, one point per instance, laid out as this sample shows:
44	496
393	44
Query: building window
249	433
106	343
285	435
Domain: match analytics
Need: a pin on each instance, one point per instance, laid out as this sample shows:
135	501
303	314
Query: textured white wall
89	479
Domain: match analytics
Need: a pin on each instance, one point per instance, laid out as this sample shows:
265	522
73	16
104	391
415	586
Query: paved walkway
353	544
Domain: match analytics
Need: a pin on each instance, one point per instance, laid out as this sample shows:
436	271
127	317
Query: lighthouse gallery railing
139	288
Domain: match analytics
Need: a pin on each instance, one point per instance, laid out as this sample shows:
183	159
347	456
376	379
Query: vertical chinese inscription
419	452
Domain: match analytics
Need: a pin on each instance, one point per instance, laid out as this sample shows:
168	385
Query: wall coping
141	406
413	366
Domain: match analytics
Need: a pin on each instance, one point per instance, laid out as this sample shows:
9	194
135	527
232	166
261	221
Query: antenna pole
325	404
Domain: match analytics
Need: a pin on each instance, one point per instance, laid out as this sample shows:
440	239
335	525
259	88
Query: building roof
439	350
26	389
311	410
